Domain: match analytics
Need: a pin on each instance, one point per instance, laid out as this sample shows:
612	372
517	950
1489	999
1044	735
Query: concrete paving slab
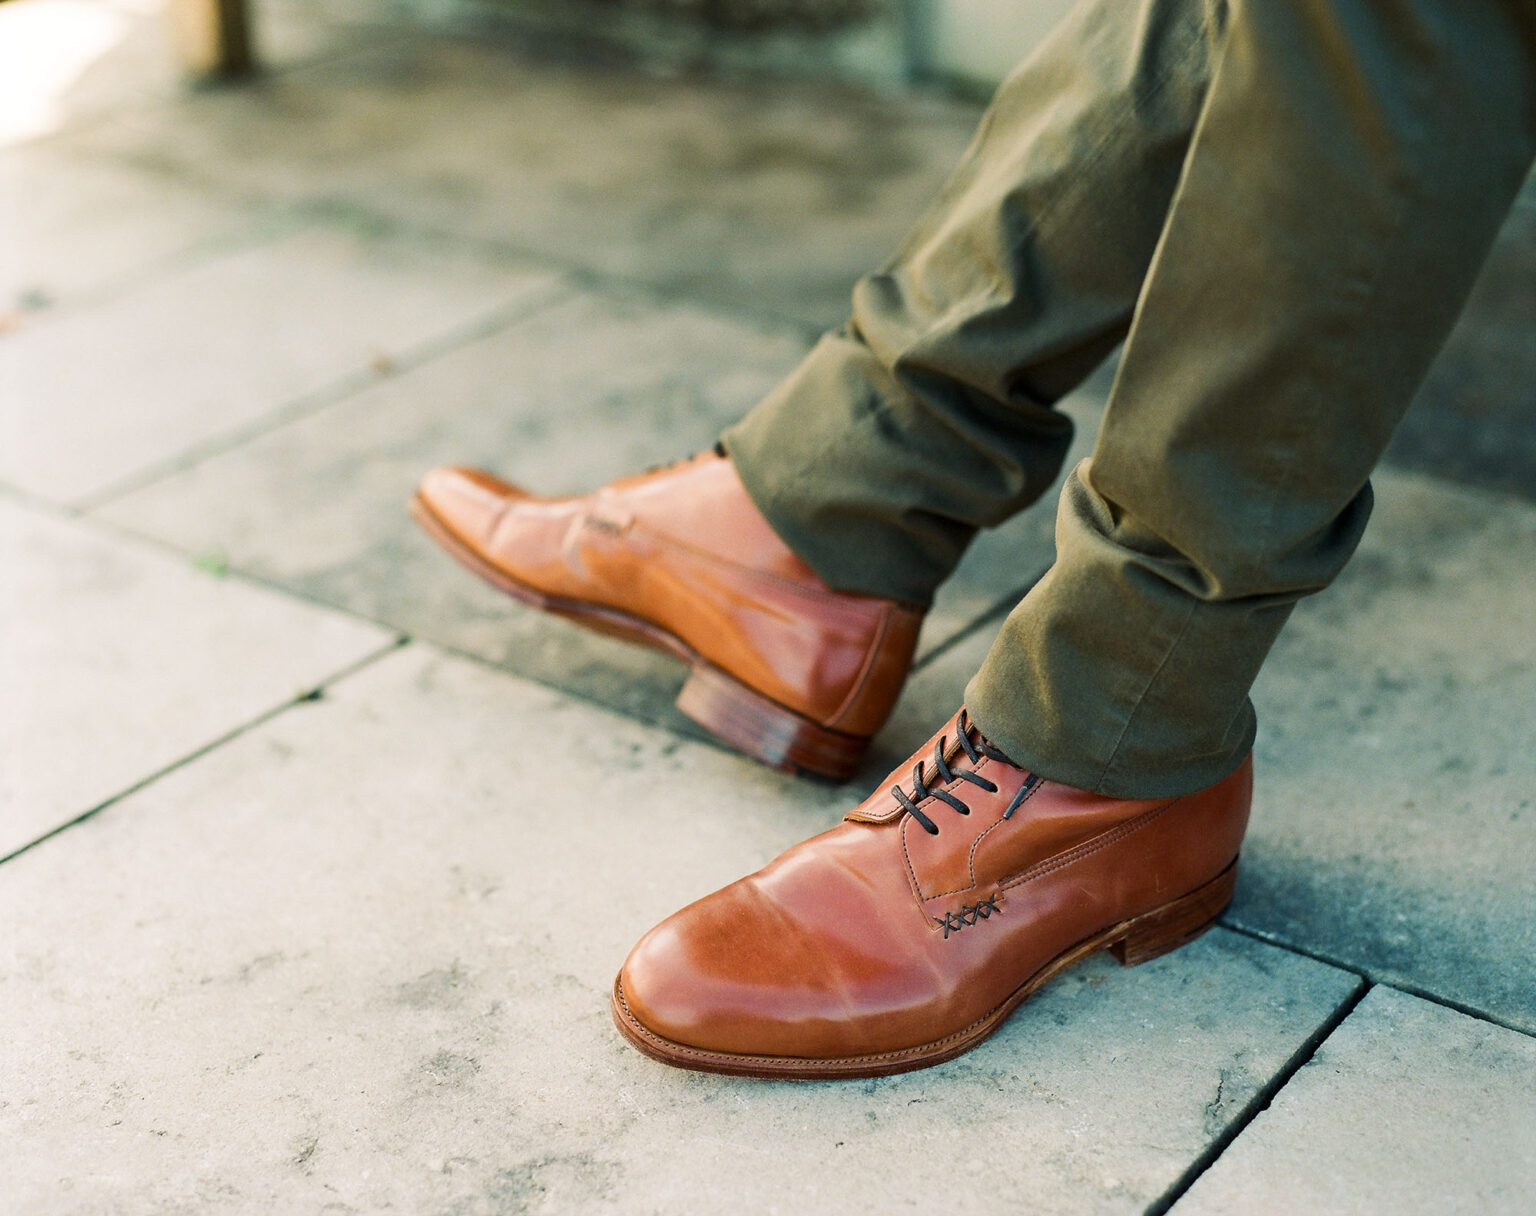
564	400
117	660
1407	1107
773	196
360	957
1473	419
1393	826
195	355
75	227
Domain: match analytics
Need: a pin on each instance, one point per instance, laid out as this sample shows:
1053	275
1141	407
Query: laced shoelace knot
927	785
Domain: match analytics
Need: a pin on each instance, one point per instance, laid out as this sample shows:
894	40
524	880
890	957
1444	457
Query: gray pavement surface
318	857
1404	1101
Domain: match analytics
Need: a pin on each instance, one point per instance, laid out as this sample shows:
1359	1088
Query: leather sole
728	708
1137	940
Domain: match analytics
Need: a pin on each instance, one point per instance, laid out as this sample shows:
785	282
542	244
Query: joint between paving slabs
1370	977
1260	1101
312	694
342	389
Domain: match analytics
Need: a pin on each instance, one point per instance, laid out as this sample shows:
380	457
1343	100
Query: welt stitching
883	1055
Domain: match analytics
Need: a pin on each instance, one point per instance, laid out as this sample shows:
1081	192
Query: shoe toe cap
728	975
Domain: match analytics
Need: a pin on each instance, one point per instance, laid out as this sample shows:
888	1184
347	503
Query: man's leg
1349	172
929	415
882	455
1350	167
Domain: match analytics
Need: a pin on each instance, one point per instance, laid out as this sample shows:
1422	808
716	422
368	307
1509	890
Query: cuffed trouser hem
1153	708
843	463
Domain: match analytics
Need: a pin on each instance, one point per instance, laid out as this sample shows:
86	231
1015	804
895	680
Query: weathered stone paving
320	856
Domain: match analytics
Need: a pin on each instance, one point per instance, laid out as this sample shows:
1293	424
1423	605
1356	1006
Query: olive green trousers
1279	206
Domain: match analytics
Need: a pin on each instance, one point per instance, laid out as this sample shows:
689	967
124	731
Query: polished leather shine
877	947
785	668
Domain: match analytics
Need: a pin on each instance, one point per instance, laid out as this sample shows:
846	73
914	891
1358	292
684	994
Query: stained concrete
105	393
361	957
117	660
689	187
1408	1107
1396	829
76	227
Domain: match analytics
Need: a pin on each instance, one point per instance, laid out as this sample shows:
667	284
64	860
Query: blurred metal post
212	37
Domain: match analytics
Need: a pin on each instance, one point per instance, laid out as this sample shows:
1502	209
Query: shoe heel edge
765	730
1177	923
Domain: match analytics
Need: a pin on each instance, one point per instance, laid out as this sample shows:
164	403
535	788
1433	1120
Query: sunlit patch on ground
46	46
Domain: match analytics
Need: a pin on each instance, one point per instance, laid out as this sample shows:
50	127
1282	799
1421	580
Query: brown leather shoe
907	934
785	669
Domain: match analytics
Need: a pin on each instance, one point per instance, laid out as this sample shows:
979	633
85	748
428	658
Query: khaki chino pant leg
1347	169
929	415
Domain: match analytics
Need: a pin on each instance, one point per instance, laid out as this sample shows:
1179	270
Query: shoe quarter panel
800	647
976	853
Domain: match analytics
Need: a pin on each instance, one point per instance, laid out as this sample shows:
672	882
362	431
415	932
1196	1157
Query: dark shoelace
926	786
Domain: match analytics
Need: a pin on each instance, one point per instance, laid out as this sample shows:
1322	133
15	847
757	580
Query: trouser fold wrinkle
1280	208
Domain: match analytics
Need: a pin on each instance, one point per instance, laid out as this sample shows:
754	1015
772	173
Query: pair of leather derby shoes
907	934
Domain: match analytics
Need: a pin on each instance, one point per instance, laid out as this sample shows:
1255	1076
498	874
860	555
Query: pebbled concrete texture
1407	1107
176	362
117	660
360	956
